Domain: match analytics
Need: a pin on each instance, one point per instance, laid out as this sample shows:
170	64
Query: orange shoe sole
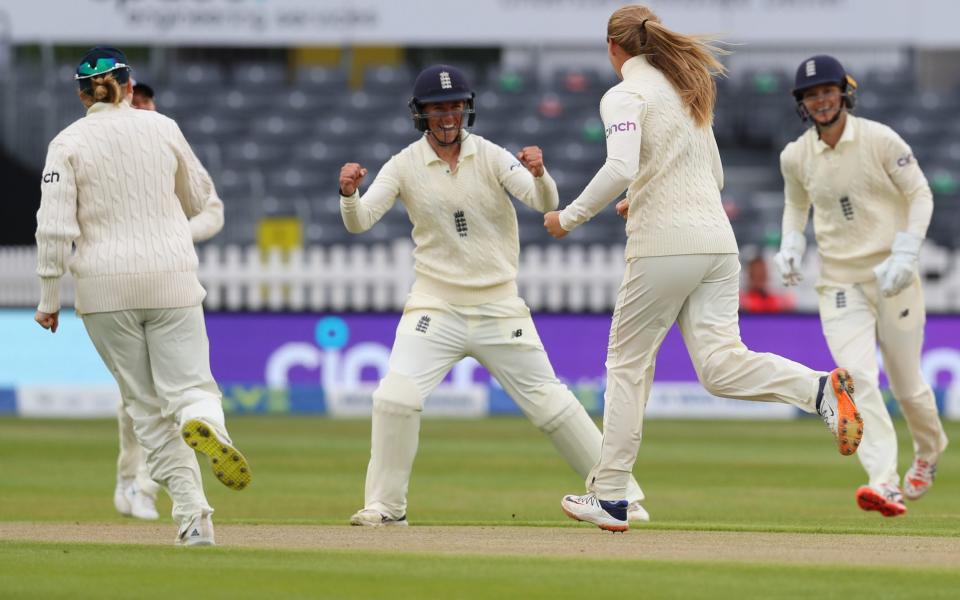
868	499
849	421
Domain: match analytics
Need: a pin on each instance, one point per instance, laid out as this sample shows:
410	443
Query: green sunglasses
104	65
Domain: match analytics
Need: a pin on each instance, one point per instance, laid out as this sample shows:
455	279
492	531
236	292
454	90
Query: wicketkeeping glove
899	269
788	259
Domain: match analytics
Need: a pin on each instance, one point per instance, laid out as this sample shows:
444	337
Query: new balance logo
516	334
841	299
905	312
460	221
847	208
51	177
445	82
423	324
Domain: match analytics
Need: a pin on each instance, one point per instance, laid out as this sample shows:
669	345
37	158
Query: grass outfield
698	476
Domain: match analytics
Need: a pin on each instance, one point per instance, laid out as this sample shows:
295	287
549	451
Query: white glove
899	269
788	259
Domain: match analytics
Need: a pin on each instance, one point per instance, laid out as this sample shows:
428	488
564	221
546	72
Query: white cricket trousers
701	293
161	361
855	318
431	337
132	459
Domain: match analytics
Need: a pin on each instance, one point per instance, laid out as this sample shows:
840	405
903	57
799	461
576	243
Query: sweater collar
849	134
634	66
468	147
102	107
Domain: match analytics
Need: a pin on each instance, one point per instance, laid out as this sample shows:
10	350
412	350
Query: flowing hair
689	62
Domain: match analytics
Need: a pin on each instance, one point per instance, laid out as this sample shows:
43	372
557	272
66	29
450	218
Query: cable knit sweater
121	184
674	175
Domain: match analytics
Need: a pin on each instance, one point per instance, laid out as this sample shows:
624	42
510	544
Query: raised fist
531	157
351	176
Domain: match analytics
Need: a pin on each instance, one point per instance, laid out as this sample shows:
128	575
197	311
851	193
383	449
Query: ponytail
689	62
104	88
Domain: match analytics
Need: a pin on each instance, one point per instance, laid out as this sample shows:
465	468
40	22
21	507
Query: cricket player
120	184
464	300
135	494
682	257
871	208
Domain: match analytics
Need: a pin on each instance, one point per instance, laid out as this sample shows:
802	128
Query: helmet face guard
823	70
441	83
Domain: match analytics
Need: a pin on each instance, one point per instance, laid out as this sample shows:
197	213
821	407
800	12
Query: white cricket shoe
919	478
368	517
637	513
228	463
835	406
120	501
607	515
197	532
142	504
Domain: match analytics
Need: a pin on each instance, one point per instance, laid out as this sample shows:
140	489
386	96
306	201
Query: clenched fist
531	157
351	176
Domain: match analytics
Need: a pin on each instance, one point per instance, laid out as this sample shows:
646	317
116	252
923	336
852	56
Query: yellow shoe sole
228	464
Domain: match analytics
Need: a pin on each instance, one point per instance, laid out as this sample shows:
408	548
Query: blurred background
275	95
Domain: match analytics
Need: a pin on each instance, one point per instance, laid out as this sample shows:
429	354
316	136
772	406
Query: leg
428	343
522	367
849	326
900	326
120	339
710	325
136	493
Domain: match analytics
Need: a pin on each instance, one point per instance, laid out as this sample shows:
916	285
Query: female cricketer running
682	263
871	208
464	300
120	184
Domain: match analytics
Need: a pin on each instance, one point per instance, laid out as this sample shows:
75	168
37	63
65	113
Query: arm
796	212
209	221
193	185
526	177
622	115
360	215
902	167
57	227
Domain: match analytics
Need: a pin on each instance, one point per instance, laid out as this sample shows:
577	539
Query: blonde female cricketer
120	185
682	257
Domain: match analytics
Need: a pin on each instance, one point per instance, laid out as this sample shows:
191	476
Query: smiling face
444	119
823	102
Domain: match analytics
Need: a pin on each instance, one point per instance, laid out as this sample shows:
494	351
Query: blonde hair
104	88
689	62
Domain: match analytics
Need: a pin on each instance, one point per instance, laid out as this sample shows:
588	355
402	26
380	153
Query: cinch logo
624	126
51	177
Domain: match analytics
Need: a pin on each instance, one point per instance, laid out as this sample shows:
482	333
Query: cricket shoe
919	478
142	504
637	513
835	406
885	499
120	501
607	515
368	517
197	532
228	464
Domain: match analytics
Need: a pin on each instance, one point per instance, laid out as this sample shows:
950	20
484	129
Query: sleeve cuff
49	295
565	222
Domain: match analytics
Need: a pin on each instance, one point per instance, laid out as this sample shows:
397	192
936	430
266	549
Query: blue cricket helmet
440	83
823	69
101	60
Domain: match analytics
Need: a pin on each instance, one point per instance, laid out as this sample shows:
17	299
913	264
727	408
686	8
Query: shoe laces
923	470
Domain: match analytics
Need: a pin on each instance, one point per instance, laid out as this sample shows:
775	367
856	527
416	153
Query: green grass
698	475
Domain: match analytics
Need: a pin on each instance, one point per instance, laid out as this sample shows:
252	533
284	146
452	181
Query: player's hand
551	221
48	320
351	176
623	208
531	157
789	258
899	270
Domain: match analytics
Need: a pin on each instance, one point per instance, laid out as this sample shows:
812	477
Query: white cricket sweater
672	168
464	224
120	183
863	191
